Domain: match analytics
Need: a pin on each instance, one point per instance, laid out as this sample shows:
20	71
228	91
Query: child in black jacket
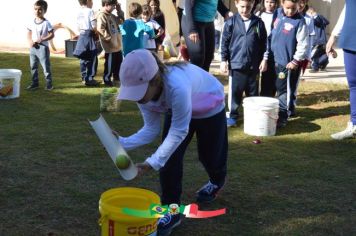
243	45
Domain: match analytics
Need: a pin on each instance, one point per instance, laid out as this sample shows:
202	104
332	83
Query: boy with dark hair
86	49
243	45
288	43
39	32
133	28
110	39
318	54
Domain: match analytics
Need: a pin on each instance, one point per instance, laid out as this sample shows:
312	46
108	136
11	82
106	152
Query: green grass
53	167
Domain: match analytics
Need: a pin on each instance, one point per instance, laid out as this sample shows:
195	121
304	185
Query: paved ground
335	71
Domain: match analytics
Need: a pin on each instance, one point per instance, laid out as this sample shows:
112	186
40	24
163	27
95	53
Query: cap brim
133	93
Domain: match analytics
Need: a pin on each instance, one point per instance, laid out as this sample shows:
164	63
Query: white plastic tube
113	146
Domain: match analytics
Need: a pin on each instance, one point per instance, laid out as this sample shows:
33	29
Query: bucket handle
272	117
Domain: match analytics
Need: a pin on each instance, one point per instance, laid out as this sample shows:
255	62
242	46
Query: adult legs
201	53
350	68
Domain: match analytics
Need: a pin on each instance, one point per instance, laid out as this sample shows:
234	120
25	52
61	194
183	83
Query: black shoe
281	123
92	82
208	192
32	87
49	87
167	223
108	83
313	71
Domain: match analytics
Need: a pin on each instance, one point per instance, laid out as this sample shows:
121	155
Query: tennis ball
122	162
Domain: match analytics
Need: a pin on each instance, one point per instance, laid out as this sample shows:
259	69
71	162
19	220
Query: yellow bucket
114	223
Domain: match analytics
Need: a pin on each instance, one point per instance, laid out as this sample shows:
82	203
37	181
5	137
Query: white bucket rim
261	102
10	72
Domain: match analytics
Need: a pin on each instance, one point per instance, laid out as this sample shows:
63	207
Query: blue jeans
40	54
211	134
350	68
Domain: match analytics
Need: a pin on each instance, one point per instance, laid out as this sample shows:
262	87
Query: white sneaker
349	132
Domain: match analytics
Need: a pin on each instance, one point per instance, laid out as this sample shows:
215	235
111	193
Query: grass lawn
53	167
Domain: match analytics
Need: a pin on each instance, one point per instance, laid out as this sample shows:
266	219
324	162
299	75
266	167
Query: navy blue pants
240	81
319	57
268	80
350	68
112	66
211	134
286	90
86	51
201	53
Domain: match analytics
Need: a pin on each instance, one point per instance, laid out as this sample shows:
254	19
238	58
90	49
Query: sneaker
167	223
208	192
32	87
92	82
349	132
108	83
323	70
49	87
230	122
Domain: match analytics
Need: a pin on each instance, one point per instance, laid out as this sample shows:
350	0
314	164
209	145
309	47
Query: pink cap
137	69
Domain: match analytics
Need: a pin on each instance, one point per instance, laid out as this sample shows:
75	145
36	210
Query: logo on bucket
158	211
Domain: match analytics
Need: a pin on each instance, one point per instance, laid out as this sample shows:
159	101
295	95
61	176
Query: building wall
62	13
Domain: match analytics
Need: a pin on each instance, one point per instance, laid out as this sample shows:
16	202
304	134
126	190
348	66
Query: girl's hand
143	167
194	37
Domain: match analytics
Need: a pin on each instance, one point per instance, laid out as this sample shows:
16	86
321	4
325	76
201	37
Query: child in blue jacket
288	43
243	44
318	54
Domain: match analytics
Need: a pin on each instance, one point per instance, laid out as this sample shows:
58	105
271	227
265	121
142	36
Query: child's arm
264	41
150	31
49	36
29	39
302	47
101	28
225	42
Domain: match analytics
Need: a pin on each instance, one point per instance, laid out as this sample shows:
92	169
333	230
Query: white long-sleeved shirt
190	93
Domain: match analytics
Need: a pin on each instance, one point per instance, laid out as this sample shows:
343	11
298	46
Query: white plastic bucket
260	115
10	83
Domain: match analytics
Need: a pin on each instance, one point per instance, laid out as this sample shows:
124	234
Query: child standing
318	54
158	16
265	11
150	43
243	45
39	32
289	45
193	103
133	28
110	39
86	49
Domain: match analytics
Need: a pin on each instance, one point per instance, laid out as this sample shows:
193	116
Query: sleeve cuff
155	165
